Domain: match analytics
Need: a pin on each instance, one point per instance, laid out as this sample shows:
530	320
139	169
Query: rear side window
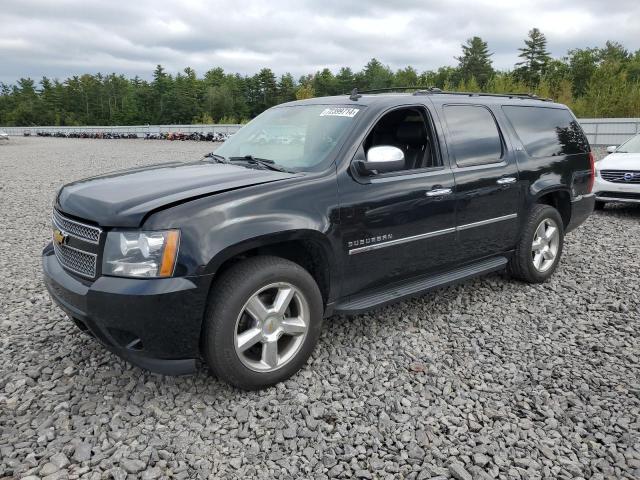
547	132
475	139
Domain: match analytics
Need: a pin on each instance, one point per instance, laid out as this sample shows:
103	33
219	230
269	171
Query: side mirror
611	148
382	159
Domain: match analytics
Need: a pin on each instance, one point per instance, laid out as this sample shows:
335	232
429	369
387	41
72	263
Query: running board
378	298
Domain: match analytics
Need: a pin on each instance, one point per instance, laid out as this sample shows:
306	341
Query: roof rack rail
356	93
530	96
420	90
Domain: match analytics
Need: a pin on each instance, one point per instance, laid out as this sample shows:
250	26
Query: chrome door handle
506	180
439	192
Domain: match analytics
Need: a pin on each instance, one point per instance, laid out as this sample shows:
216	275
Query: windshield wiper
216	158
262	162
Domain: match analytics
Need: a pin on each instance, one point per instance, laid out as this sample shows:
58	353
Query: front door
402	224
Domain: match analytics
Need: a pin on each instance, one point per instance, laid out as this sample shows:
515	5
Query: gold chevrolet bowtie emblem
58	236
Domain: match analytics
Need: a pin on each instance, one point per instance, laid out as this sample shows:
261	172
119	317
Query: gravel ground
490	379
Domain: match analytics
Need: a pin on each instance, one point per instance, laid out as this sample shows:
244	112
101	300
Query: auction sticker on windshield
339	112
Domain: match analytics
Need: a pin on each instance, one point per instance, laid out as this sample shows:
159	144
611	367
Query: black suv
317	207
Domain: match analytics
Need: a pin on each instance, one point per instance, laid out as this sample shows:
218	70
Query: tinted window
475	139
546	132
408	130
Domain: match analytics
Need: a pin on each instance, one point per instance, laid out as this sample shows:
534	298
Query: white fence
141	130
600	131
609	131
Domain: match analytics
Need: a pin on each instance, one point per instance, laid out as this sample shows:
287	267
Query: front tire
263	322
540	247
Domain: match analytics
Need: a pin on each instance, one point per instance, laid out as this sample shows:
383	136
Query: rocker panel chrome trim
399	241
436	233
487	221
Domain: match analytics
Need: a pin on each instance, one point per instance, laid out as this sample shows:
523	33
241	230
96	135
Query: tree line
594	82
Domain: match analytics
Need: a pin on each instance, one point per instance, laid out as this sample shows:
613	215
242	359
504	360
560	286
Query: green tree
264	91
406	77
535	58
345	80
475	61
324	83
374	75
614	52
583	62
305	91
286	88
443	78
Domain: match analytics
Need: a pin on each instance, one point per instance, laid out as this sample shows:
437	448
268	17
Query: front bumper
616	192
581	208
152	323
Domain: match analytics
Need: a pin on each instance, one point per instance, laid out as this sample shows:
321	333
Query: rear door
488	187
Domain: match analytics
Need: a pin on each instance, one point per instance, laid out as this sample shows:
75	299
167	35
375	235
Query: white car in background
618	174
4	135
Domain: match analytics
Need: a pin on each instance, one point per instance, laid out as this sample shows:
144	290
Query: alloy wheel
271	327
546	242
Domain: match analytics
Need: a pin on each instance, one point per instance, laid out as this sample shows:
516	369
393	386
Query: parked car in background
316	207
4	135
618	174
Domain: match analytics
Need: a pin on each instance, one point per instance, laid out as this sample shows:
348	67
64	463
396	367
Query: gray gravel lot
490	379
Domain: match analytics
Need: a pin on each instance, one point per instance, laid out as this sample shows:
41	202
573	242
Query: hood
124	198
620	161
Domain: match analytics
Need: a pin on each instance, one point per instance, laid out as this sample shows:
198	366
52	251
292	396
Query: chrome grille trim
77	261
83	231
618	176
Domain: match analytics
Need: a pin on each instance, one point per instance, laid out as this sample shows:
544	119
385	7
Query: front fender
221	255
214	229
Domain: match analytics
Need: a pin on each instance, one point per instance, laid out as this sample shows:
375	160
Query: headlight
140	254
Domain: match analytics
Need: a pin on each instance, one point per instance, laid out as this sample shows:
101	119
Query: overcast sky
67	37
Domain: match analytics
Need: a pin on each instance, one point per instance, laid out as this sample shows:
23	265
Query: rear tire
262	323
540	247
599	205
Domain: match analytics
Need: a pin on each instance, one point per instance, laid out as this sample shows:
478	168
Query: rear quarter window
547	132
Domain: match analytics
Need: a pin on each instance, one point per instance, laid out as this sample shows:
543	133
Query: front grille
82	263
77	229
621	176
623	195
76	247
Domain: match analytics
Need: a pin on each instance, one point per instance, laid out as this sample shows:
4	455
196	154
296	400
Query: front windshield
630	146
297	138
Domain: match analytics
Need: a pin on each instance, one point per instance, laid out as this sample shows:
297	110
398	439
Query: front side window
547	132
475	138
407	129
300	137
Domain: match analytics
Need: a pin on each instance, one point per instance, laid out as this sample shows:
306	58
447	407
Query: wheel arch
308	248
558	198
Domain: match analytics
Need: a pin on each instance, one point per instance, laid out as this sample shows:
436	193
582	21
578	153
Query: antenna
354	95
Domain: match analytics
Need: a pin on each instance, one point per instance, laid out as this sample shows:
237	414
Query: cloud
71	37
